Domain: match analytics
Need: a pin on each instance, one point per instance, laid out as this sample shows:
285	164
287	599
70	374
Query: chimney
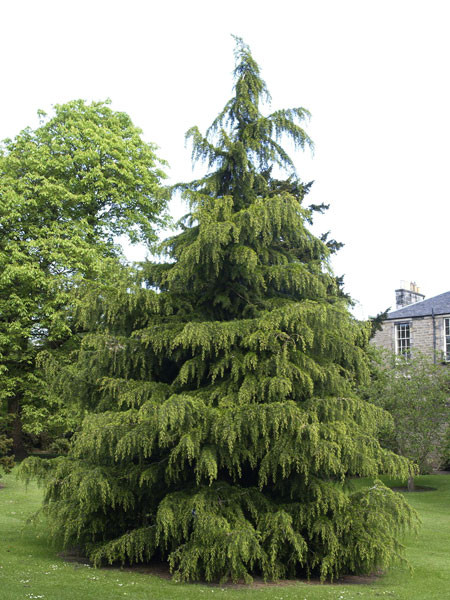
407	294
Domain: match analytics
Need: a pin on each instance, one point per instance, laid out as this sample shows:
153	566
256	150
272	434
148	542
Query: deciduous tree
67	189
416	392
6	460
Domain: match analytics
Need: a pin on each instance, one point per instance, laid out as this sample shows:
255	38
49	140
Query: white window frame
447	339
403	339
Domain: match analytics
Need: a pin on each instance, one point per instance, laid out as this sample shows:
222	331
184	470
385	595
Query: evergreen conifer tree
225	427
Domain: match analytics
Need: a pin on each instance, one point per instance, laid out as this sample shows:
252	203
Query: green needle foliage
224	427
66	189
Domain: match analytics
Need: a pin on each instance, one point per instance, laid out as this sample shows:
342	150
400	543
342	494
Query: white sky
373	73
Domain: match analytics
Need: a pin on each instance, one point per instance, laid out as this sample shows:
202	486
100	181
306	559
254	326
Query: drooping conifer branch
225	423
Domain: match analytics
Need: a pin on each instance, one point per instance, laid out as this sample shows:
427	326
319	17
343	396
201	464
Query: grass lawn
31	569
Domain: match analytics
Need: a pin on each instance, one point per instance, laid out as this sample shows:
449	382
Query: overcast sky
374	75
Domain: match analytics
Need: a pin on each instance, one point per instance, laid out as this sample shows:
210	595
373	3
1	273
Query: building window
403	339
447	339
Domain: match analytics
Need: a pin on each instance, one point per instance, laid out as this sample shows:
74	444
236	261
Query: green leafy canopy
67	189
415	392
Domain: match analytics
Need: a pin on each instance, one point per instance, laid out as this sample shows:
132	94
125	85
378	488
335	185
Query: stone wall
421	329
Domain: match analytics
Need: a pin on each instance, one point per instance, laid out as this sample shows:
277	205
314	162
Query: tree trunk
15	429
411	486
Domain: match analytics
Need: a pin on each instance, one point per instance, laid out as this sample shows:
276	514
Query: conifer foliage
224	426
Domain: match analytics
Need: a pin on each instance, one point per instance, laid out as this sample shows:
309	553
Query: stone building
417	324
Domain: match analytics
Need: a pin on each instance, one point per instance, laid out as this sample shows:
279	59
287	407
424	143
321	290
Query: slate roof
440	304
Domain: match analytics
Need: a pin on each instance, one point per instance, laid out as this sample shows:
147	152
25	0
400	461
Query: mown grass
30	568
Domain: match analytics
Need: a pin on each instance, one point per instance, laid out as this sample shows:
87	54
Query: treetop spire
244	143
